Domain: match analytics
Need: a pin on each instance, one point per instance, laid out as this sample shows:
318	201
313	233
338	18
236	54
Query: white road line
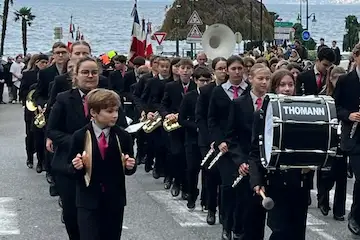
348	203
321	232
9	224
178	210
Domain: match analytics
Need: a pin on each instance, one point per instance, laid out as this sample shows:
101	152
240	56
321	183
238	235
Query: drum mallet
267	202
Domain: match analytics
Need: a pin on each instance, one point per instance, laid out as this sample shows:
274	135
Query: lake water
107	23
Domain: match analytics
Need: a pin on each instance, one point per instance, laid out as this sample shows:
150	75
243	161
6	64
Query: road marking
321	233
9	224
178	210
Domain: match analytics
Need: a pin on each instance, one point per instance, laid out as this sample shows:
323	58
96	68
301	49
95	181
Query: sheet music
135	127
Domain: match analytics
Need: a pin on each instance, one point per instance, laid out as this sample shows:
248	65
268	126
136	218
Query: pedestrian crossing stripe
9	224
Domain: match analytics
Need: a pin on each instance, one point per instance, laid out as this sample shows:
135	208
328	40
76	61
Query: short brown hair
185	62
101	98
356	50
59	45
277	76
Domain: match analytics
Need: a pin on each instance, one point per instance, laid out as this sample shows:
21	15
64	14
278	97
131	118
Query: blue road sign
305	35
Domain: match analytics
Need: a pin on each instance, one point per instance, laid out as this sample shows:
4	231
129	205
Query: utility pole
261	23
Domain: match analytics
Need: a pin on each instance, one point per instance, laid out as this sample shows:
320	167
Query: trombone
39	119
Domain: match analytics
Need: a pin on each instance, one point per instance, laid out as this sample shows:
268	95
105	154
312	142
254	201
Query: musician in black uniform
28	83
116	78
151	100
70	113
212	180
218	121
201	77
347	100
173	95
287	188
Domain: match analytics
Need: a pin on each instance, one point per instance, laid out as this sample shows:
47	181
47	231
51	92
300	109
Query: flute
207	156
353	128
215	160
237	180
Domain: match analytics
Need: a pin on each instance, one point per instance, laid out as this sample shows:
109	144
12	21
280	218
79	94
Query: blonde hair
100	98
257	68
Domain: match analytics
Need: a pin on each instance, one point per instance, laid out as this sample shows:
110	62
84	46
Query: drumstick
267	202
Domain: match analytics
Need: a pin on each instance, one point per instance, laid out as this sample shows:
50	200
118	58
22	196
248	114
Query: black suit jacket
187	117
218	115
307	80
138	90
201	114
173	95
153	94
29	78
108	172
46	76
67	116
347	100
61	84
116	81
129	79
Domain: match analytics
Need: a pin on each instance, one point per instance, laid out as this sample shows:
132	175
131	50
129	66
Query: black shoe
53	192
148	168
2	102
167	183
339	218
324	210
353	226
156	175
29	164
191	205
204	208
175	190
39	168
49	178
210	219
226	235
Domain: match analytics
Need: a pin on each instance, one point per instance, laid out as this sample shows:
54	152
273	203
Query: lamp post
309	16
261	22
177	22
191	44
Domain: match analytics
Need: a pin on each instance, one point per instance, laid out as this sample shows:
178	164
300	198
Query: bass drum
299	132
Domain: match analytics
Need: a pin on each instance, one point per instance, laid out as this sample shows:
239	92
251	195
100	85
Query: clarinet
237	180
353	128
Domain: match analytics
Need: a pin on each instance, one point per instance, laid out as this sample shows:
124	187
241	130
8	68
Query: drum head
268	132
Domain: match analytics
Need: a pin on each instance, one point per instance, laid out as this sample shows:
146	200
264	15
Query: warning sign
195	19
195	35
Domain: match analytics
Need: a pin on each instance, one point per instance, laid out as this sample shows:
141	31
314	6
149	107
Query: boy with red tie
101	154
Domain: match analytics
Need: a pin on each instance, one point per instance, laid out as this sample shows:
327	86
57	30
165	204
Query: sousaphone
218	41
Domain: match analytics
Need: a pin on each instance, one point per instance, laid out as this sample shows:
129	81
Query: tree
26	17
351	38
311	44
7	3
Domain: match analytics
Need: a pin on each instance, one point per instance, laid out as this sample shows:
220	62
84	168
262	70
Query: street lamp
309	16
191	44
177	22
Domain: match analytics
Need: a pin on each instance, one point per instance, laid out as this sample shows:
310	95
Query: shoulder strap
121	153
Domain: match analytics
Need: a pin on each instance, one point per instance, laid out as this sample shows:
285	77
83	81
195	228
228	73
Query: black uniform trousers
193	160
355	207
141	144
39	134
1	91
157	141
104	223
66	186
29	140
212	182
178	158
326	181
287	219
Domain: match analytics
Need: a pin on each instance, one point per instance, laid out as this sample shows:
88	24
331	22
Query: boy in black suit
101	169
201	77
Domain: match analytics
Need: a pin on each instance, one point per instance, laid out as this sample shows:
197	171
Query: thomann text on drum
293	110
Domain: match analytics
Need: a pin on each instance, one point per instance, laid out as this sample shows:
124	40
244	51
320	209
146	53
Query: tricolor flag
71	32
137	47
148	45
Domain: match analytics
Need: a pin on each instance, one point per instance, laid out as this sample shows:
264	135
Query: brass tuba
151	125
170	125
39	119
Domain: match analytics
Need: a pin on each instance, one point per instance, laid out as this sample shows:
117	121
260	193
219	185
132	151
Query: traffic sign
305	35
238	37
195	19
58	33
284	24
195	35
159	49
160	36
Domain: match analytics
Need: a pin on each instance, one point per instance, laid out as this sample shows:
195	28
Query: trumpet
215	159
171	125
151	125
39	119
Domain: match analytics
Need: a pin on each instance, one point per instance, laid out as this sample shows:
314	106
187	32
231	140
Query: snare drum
299	132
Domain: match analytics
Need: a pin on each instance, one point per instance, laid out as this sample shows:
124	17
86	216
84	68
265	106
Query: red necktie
236	90
319	80
185	89
102	145
258	103
86	109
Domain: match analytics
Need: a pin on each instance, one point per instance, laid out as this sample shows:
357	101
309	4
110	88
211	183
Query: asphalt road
27	212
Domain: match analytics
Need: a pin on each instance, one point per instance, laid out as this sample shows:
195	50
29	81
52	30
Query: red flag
137	47
148	45
71	32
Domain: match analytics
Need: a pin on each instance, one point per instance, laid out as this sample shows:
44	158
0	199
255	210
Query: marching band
237	123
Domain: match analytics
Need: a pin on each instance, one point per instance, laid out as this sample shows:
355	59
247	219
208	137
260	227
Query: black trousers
66	188
212	184
287	219
326	181
141	144
355	207
104	223
29	140
177	162
1	91
40	147
157	141
193	160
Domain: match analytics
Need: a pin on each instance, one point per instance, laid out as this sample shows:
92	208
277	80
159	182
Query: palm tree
7	3
26	20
